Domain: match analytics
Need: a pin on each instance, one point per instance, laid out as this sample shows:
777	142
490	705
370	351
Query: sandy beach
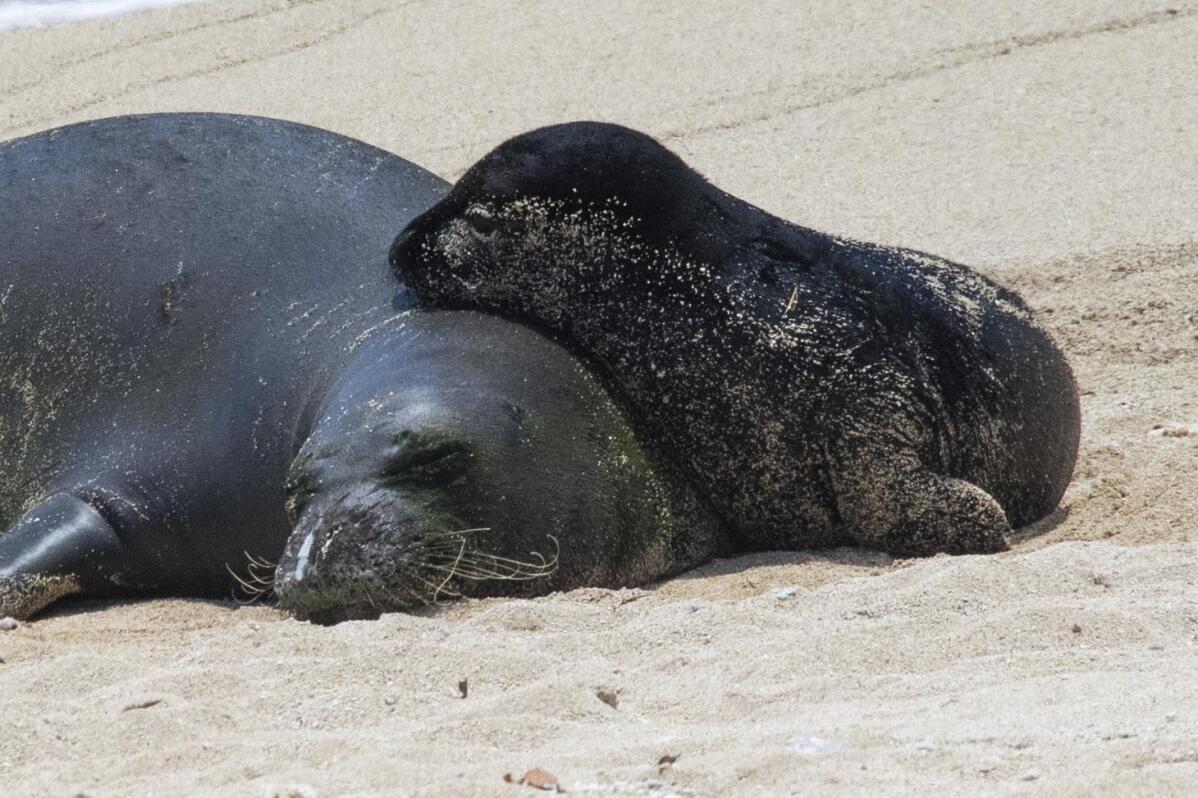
1050	146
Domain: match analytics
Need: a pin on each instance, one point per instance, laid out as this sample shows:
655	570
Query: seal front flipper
889	499
61	547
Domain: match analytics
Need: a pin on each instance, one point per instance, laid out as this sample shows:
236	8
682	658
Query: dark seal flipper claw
60	547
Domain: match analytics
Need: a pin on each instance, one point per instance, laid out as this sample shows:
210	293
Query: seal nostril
298	491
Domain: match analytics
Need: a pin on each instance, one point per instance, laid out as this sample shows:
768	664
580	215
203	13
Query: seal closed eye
434	462
816	389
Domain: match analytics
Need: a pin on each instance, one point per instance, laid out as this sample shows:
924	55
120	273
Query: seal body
187	301
817	390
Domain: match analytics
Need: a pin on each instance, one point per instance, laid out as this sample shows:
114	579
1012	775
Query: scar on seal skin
816	390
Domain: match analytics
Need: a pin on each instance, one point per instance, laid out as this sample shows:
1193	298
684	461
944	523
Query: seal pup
817	390
196	311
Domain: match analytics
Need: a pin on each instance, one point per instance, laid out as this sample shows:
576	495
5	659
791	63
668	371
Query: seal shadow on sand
847	556
1039	529
82	605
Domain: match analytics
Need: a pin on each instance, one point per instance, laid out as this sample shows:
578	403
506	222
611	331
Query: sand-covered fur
857	392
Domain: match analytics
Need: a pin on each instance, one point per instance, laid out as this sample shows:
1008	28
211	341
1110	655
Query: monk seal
203	373
817	390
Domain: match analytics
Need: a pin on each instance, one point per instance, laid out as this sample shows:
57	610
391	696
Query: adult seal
203	372
817	390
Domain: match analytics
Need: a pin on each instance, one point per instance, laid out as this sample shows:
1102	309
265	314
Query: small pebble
8	624
608	697
1173	430
782	593
141	703
1031	775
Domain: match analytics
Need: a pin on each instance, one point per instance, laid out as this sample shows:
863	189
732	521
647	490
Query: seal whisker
477	571
481	566
545	567
454	534
260	562
256	568
254	587
466	570
433	587
449	575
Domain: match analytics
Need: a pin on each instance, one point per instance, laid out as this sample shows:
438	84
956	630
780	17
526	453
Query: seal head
462	455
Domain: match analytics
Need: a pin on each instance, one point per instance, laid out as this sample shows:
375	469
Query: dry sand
1051	145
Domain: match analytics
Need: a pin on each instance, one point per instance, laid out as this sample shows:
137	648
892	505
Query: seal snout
365	547
443	243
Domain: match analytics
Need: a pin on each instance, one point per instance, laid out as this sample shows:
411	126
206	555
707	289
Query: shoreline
67	12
